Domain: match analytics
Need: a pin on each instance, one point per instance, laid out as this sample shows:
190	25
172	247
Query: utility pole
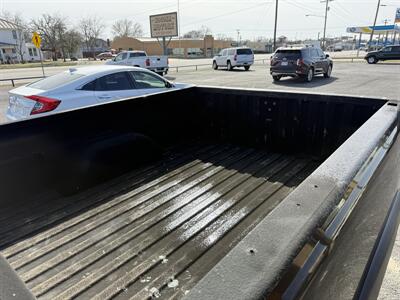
238	34
373	27
326	18
179	31
276	22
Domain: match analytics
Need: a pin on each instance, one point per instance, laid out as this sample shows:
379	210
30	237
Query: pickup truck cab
386	53
158	64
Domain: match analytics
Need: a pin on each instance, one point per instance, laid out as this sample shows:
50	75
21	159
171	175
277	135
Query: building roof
4	24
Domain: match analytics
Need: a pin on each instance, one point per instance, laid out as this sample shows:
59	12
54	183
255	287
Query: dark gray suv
386	53
305	62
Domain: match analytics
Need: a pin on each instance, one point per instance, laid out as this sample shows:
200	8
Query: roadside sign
36	39
397	18
164	25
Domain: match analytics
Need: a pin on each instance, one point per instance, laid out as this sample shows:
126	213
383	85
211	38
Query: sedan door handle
105	97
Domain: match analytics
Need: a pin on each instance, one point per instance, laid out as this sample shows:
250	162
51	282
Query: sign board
379	29
36	39
164	25
397	17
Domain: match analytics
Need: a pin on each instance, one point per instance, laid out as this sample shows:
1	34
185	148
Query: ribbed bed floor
153	232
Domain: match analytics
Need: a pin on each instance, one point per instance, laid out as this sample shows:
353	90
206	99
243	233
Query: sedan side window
89	86
114	82
387	49
145	80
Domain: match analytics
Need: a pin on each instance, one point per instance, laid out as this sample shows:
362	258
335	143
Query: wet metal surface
153	232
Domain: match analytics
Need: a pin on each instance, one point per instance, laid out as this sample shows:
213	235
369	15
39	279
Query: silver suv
234	57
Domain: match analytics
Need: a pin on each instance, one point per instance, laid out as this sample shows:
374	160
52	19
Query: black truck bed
205	192
164	225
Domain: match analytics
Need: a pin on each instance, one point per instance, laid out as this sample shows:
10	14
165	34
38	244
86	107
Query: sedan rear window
244	52
290	54
55	81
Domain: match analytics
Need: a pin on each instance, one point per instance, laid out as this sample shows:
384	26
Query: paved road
381	80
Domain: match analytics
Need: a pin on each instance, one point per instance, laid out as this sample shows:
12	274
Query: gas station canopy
379	29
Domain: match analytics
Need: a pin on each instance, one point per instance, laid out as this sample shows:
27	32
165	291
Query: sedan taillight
43	104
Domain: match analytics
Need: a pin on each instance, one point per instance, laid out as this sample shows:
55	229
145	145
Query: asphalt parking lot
358	78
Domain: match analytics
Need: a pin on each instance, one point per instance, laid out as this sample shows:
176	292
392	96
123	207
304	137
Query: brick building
188	48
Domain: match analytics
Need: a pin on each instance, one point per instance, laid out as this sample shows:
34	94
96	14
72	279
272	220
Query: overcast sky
253	17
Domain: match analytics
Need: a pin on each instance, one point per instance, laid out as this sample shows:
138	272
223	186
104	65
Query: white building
13	44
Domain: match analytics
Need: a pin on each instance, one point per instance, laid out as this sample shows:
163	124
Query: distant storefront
188	48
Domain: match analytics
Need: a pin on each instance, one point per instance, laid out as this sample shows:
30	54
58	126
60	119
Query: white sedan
80	87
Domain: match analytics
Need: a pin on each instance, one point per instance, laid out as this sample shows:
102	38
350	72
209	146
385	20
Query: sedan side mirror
168	85
326	55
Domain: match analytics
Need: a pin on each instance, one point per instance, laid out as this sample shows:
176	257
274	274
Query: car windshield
244	51
55	80
291	54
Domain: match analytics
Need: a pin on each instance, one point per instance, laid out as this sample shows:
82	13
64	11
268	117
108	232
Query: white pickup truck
158	64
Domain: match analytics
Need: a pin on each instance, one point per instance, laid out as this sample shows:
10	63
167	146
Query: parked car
105	56
234	57
386	53
83	87
158	64
305	62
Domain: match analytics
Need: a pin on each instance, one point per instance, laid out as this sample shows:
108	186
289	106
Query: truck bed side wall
34	153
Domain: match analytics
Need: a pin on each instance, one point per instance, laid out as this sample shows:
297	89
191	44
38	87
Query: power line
224	15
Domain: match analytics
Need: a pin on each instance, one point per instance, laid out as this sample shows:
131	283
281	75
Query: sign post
36	40
163	26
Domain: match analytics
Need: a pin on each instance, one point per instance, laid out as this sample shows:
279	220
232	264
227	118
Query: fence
20	78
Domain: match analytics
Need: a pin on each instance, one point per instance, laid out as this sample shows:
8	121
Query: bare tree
223	37
72	41
51	28
200	33
21	33
91	28
125	27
